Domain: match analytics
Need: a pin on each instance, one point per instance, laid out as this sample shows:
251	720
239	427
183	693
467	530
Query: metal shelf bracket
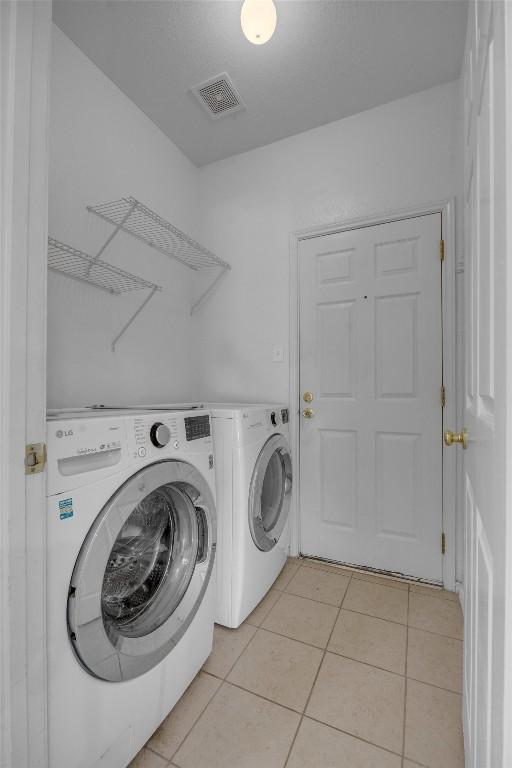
207	293
135	314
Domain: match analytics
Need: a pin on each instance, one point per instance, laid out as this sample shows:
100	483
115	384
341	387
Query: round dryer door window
270	493
142	571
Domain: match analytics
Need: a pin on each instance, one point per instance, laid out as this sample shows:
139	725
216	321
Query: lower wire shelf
81	266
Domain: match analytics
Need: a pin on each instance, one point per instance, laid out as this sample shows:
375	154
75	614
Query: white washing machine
254	490
131	545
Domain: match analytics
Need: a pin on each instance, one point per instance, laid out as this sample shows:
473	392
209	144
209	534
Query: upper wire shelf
131	216
139	221
91	269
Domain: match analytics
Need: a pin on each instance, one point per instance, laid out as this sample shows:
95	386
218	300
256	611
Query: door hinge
443	396
441	250
443	543
35	458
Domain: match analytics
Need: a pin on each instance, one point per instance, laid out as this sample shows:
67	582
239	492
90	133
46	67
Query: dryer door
142	571
270	493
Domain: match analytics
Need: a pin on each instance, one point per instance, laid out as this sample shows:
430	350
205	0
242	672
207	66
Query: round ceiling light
258	19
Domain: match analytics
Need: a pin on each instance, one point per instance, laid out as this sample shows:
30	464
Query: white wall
393	156
244	208
102	148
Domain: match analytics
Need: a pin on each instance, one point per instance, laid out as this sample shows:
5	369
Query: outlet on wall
278	354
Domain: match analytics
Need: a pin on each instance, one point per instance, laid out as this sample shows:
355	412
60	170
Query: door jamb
25	29
446	208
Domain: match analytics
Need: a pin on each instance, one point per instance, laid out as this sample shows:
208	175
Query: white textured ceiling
328	59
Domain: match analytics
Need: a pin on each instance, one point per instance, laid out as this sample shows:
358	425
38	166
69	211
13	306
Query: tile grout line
302	597
353	736
384	581
361	574
351	575
437	634
433	685
302	716
298	567
335	653
267	613
317	673
241	651
223	680
265	698
400	623
308	716
405	688
170	759
286	591
372	616
350	658
319	562
198	718
322	602
361	613
437	597
325	648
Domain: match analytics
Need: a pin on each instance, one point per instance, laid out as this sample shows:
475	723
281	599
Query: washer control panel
89	445
197	427
164	433
277	416
274	417
159	434
258	422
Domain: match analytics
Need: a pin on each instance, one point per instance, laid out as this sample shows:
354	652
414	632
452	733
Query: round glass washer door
270	493
142	571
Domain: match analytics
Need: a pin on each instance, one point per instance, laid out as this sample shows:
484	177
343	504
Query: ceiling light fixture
258	19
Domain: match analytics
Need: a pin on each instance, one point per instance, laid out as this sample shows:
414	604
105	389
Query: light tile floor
334	669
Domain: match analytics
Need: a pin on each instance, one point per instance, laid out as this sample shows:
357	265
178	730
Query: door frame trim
24	95
446	208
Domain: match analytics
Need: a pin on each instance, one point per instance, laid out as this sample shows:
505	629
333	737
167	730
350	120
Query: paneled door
487	467
370	388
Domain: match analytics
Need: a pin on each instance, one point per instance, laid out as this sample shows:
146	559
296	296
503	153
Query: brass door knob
307	397
308	413
456	437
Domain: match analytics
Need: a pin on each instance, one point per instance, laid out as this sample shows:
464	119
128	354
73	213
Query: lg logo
64	433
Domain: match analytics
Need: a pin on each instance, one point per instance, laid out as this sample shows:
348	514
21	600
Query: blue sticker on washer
65	508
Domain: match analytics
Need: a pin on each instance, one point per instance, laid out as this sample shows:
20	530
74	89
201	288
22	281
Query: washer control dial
160	434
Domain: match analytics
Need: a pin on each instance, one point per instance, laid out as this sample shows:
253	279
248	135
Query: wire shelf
131	216
89	269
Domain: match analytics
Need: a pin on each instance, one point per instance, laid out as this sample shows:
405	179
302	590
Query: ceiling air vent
219	96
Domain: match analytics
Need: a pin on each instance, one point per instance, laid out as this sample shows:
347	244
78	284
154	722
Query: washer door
270	493
142	571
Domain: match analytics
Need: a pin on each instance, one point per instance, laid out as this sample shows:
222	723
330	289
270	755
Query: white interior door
371	356
488	640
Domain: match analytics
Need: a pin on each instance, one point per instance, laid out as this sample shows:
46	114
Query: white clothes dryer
131	544
254	491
